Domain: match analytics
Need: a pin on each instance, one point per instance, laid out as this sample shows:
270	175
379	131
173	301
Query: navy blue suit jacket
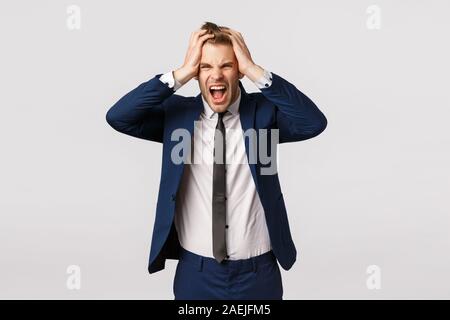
152	111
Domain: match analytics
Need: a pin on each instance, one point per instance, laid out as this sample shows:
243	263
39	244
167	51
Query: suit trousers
203	278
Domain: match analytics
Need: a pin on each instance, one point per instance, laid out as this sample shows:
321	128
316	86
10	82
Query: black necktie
219	192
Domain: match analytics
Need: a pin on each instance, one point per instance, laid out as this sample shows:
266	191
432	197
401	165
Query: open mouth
218	93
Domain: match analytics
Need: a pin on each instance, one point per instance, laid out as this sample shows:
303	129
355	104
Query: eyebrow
208	65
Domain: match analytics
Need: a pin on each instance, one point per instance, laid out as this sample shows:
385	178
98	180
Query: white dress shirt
246	235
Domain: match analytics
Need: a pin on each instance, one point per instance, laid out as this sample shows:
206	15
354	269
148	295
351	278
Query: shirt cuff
170	81
265	81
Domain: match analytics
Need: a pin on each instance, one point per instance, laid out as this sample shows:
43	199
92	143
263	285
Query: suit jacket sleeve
297	117
140	113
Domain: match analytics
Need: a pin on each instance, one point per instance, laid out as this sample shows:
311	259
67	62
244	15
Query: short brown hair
220	37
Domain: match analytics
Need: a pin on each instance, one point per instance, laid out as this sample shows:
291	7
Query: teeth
217	87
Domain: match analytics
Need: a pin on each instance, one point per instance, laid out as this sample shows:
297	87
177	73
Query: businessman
224	221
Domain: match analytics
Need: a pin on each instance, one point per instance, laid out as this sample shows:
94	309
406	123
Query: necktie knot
221	114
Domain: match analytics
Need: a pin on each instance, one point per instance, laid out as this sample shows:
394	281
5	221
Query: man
224	221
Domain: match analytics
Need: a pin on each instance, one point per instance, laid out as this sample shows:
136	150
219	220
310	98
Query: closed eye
223	66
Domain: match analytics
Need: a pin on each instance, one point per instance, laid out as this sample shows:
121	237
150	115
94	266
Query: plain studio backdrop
367	200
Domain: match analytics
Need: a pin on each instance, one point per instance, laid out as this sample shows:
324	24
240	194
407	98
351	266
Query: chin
218	109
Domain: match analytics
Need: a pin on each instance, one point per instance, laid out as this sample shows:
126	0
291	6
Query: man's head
218	69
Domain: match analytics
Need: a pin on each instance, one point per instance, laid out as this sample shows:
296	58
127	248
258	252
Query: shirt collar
233	108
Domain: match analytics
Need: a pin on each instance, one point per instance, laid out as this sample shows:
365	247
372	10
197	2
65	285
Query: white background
372	189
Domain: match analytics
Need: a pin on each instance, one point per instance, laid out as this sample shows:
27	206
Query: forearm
254	72
183	75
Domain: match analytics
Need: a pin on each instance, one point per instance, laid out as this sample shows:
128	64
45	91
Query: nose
216	74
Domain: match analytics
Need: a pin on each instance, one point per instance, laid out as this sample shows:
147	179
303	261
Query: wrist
254	72
183	75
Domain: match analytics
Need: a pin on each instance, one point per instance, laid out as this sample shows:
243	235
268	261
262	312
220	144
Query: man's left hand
246	65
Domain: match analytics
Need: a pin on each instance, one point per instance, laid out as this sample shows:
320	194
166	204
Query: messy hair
220	37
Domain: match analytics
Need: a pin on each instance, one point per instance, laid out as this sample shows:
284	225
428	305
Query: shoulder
177	101
263	104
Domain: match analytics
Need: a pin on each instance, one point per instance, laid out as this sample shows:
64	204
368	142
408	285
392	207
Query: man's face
219	68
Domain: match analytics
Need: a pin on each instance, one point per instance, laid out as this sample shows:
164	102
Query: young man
225	221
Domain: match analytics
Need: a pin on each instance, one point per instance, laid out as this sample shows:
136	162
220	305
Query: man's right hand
191	63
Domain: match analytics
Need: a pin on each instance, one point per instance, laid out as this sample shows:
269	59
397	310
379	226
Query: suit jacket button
173	197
